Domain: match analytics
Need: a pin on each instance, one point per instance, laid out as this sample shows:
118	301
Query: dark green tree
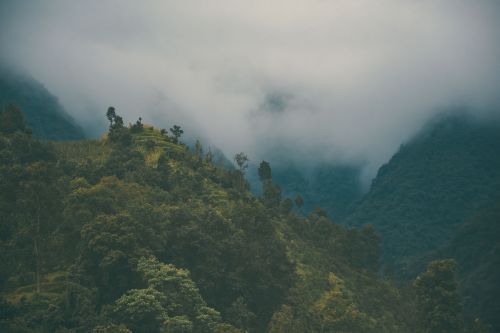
264	171
176	132
209	156
12	120
241	160
299	201
438	300
138	126
271	192
117	132
170	303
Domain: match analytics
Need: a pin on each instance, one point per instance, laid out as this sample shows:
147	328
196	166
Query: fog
341	81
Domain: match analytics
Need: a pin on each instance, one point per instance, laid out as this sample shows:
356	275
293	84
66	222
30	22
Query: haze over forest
299	166
333	81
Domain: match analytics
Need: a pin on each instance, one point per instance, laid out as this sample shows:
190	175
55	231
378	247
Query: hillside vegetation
476	248
137	233
334	188
438	198
431	186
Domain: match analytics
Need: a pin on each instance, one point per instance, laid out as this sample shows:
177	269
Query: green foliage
475	247
299	201
438	198
30	205
438	299
176	132
170	303
338	312
12	120
111	328
283	321
432	185
264	171
241	160
334	188
137	233
140	310
117	132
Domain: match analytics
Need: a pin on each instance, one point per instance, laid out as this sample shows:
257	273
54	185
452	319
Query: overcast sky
335	80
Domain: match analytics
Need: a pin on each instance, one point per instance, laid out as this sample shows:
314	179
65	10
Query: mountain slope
334	188
134	232
476	248
431	186
45	116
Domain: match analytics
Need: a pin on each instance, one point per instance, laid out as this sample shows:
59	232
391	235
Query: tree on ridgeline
241	160
117	132
176	132
271	193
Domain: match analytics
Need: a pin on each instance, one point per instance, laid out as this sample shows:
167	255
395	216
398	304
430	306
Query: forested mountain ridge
476	248
134	232
433	184
44	114
334	188
438	198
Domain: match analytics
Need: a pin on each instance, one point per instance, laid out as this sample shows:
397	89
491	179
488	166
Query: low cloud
333	80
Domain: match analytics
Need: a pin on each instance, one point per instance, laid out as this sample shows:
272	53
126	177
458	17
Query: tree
283	321
12	120
209	156
438	300
141	310
176	132
115	121
299	201
40	197
239	315
30	200
241	160
198	150
337	311
271	192
264	171
170	303
117	132
138	126
286	206
111	115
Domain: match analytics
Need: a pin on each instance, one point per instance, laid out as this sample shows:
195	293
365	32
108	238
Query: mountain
432	185
334	188
45	115
135	232
476	248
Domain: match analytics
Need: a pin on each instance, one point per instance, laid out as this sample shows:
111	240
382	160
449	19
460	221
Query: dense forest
333	187
433	184
437	198
136	232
